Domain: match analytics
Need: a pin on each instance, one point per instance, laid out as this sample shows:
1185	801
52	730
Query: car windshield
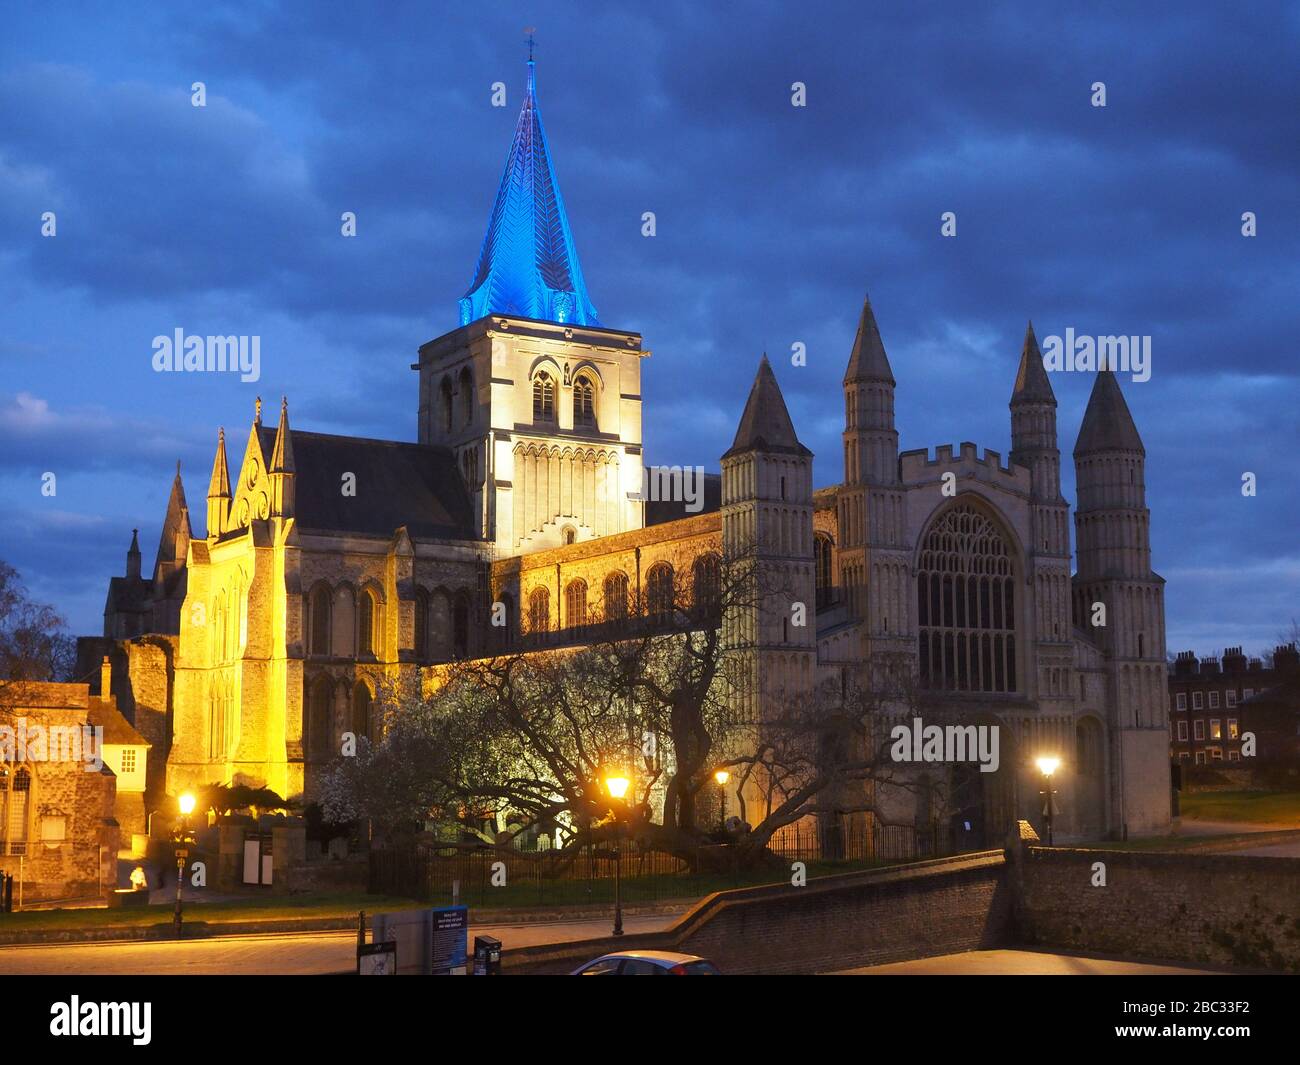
701	968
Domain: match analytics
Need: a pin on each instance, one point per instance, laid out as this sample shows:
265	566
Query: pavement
288	954
1021	963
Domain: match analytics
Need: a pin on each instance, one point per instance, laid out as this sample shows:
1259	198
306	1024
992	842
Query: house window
1200	758
128	760
1198	730
1198	700
1182	732
1184	756
1234	756
1248	693
966	605
15	809
539	610
1216	754
575	604
1180	701
1231	697
1214	700
584	410
543	398
1216	729
1232	728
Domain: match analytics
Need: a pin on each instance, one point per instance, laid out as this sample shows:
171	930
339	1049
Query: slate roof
1032	384
868	361
1107	423
397	483
766	425
117	729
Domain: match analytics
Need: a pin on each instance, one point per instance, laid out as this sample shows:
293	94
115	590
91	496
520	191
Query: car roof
668	956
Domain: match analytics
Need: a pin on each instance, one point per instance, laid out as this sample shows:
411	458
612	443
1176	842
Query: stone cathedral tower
540	403
1112	527
875	561
767	528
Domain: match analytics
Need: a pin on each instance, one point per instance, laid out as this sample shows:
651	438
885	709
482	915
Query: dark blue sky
772	223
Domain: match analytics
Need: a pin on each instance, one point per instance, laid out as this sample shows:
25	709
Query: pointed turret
868	361
133	556
174	544
1032	384
766	425
528	265
282	467
1107	423
219	490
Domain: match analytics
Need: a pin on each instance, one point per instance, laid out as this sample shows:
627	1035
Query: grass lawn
1281	808
286	906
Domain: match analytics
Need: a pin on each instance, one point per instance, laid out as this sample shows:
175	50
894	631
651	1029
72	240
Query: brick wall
938	907
1217	910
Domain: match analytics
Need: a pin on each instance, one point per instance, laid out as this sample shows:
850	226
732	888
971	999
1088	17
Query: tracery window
539	610
543	398
616	597
822	568
659	591
966	606
15	809
584	409
575	604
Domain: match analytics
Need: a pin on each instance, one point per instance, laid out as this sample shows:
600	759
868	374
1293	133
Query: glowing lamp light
616	786
186	803
722	776
1047	765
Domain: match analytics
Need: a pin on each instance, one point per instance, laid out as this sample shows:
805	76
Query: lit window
128	760
1232	728
1216	729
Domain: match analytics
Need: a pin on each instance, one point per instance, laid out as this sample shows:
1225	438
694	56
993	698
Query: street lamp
1047	765
722	776
617	788
182	839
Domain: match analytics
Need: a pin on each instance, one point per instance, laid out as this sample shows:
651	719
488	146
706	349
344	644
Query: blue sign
450	948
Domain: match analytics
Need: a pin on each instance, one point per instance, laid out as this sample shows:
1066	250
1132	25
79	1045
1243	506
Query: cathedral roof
1032	385
415	485
867	361
766	425
1107	423
528	265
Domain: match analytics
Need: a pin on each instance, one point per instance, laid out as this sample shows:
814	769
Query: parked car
648	963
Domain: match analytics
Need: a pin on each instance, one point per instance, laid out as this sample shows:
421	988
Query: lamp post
722	776
181	837
617	788
1047	765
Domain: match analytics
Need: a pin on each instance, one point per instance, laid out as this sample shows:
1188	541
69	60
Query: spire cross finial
257	410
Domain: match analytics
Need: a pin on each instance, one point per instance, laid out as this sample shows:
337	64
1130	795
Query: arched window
584	403
320	620
460	625
570	535
466	397
444	405
320	720
216	723
539	610
822	553
543	398
616	597
706	584
367	623
575	604
15	809
421	625
363	710
966	607
659	591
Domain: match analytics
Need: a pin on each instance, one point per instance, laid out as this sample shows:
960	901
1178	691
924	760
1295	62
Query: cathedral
330	565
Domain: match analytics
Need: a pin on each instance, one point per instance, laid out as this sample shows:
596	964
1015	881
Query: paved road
281	954
1276	850
1019	963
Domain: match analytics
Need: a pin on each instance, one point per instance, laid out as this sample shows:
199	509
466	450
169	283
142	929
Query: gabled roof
176	531
117	729
1107	423
766	425
416	485
528	264
1032	384
868	361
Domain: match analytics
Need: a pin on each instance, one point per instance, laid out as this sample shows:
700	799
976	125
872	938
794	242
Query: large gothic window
320	620
584	410
369	613
15	809
539	610
706	584
659	591
822	555
575	604
616	597
966	607
543	398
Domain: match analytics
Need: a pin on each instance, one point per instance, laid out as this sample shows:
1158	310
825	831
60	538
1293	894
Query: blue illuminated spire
529	264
